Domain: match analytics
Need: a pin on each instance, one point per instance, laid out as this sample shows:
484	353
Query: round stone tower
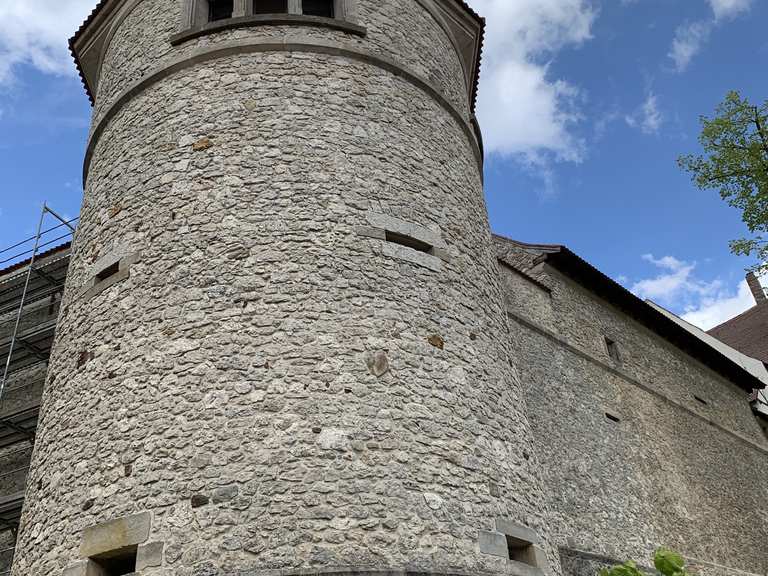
283	343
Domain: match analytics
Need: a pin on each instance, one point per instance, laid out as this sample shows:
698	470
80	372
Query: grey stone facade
289	344
273	389
684	466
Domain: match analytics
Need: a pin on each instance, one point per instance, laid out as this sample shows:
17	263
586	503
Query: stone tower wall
263	374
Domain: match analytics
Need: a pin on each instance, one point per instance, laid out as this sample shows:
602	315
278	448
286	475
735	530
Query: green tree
735	163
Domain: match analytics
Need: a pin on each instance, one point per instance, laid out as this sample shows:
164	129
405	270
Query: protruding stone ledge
267	20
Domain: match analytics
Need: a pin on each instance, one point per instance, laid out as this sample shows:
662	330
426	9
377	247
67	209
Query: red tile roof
40	256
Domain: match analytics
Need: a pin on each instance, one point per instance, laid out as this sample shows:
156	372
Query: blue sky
585	106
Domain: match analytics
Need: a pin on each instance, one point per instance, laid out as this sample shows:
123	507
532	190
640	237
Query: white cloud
703	303
729	8
691	37
524	112
35	32
648	118
714	311
675	285
689	40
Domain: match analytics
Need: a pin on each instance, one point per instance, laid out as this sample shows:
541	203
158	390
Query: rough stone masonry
289	345
282	342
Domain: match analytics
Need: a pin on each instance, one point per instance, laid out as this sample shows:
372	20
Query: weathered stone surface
79	568
149	555
378	363
115	534
493	543
202	144
236	344
673	473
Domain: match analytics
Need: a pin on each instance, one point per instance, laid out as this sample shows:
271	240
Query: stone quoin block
519	533
115	534
493	543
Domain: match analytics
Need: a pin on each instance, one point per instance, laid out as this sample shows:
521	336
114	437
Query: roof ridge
521	244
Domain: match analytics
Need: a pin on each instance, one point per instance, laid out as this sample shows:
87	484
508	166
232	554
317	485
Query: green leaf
668	562
626	569
735	164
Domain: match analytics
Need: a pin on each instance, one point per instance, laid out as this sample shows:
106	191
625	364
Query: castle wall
276	384
401	30
672	471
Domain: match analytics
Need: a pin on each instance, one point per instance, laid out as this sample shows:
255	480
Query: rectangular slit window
318	8
220	10
701	400
408	241
270	6
613	349
109	271
520	551
117	563
612	418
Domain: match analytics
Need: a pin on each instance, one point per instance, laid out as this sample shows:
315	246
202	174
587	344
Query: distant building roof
40	255
748	332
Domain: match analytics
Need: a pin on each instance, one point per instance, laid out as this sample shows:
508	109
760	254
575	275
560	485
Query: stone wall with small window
402	30
306	368
640	444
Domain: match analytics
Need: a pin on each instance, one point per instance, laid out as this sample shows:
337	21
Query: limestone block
521	534
115	535
522	569
82	568
149	555
493	543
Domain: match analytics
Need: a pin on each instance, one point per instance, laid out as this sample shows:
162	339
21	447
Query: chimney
757	290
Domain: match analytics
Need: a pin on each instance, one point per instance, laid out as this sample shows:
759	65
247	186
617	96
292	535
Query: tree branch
760	131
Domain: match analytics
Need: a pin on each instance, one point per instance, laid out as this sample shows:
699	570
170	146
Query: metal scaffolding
38	283
32	276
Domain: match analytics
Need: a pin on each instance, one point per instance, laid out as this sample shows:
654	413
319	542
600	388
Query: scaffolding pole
38	243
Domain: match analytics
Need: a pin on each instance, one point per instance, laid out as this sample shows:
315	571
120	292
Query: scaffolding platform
19	426
10	510
32	277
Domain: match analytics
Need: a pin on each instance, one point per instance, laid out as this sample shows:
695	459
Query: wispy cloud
648	117
35	32
675	284
714	311
689	40
526	114
724	9
705	303
691	37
